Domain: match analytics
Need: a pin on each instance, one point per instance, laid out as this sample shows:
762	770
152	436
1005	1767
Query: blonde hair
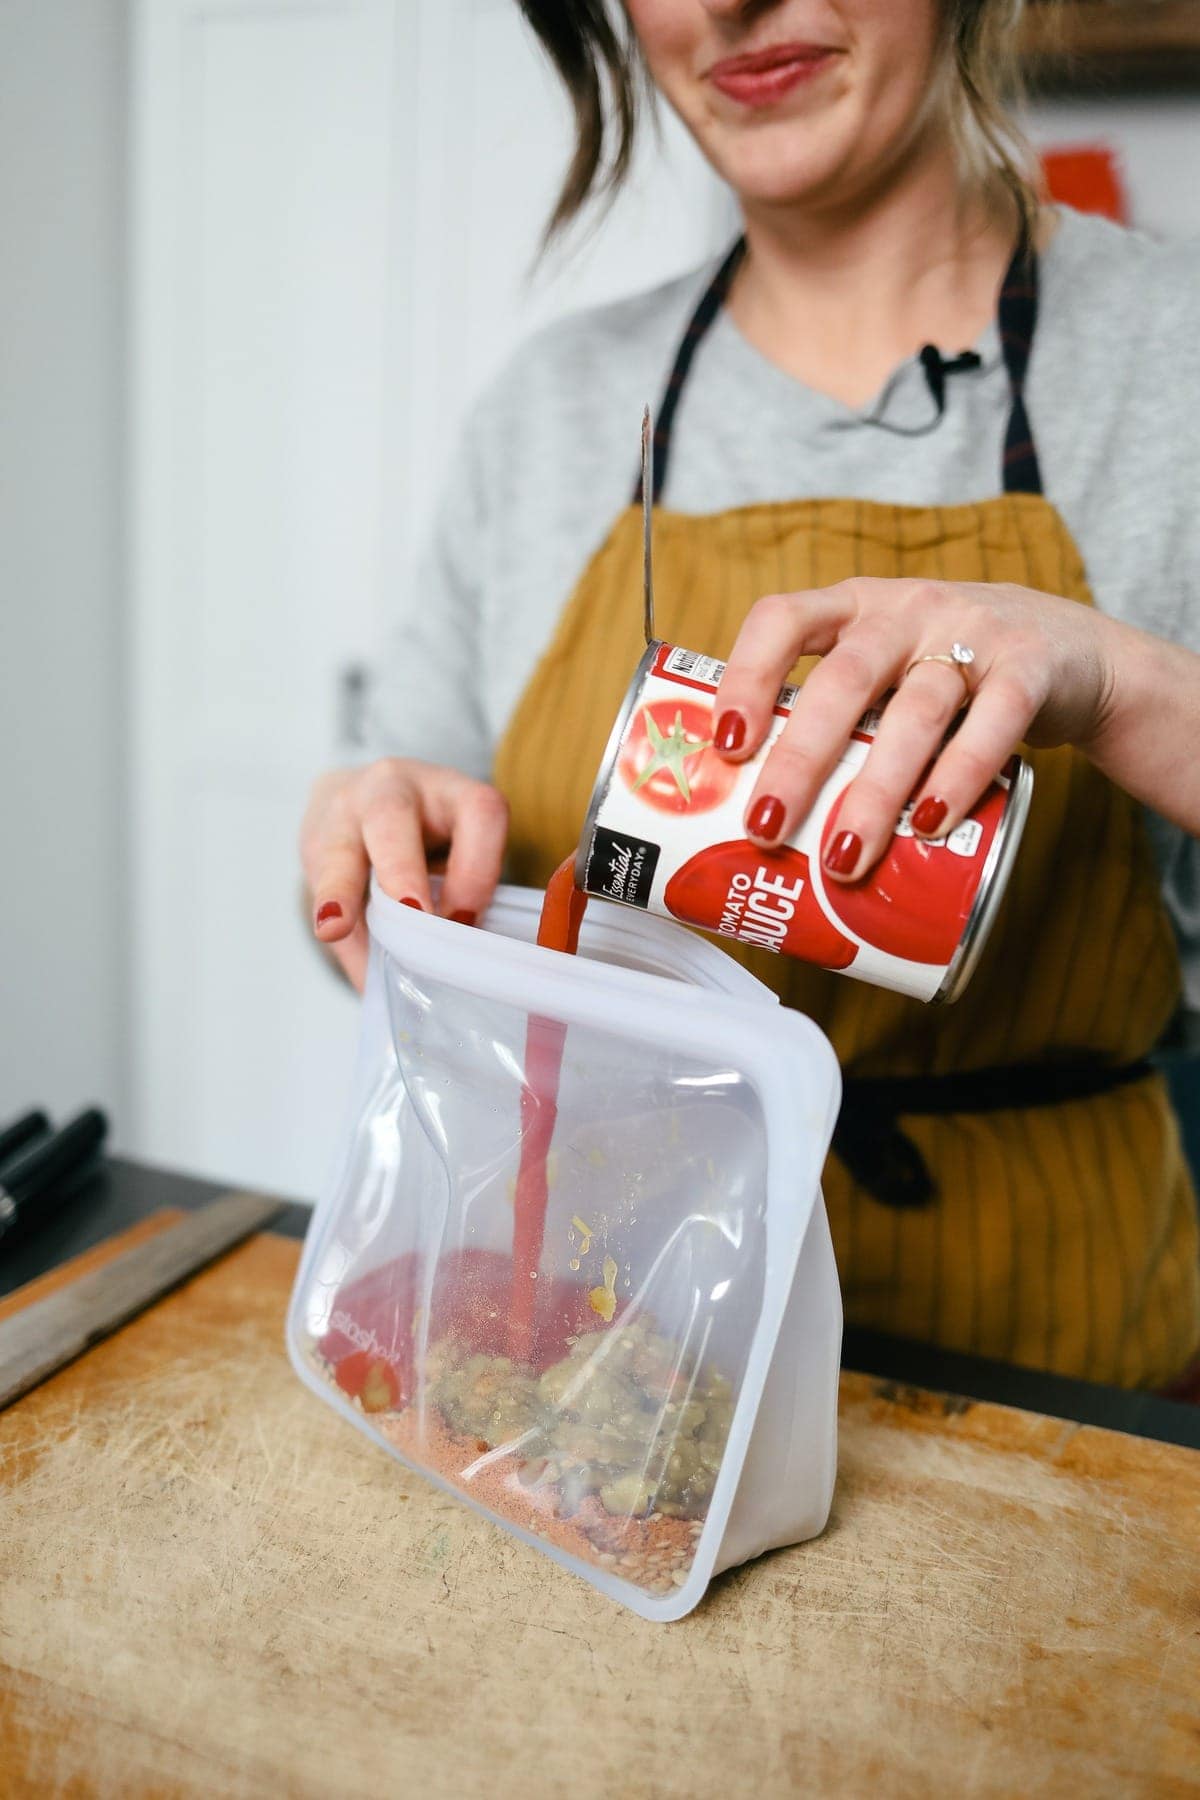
600	65
983	44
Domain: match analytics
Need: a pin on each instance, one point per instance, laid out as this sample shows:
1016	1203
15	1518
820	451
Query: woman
824	442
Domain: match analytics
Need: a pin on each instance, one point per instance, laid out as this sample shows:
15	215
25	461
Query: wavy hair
596	55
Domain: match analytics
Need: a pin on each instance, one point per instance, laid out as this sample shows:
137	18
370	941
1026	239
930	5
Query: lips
764	76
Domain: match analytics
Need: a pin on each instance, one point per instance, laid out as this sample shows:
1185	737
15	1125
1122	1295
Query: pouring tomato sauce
558	929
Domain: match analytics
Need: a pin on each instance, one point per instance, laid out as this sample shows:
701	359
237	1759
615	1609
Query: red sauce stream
558	929
494	1305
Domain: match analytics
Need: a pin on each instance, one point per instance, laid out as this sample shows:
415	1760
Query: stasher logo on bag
622	867
916	923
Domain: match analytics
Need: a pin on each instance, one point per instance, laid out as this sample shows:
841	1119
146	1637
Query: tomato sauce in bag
558	929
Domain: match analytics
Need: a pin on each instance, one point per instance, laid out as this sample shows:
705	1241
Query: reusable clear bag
646	1388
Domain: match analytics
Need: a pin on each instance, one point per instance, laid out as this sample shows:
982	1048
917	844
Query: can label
665	833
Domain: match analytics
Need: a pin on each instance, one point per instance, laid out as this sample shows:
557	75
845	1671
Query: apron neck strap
711	302
1016	319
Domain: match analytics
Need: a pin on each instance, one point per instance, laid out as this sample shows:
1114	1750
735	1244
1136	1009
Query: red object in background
1087	177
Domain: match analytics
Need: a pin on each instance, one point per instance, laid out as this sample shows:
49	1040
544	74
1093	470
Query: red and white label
672	816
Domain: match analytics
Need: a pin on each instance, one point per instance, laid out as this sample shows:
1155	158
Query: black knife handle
45	1163
16	1136
35	1213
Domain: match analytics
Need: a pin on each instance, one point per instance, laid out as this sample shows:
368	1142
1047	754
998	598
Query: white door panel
271	1038
265	154
286	269
336	206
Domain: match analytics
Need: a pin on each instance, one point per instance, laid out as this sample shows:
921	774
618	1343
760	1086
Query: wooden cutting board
210	1585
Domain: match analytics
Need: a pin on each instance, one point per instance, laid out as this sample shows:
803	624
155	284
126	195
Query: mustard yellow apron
1060	1236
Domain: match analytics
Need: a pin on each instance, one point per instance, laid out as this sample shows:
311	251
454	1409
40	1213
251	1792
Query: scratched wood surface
210	1585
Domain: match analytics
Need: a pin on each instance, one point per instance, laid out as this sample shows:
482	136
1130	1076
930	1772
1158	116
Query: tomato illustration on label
668	759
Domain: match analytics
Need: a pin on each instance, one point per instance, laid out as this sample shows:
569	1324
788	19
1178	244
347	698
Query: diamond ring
959	656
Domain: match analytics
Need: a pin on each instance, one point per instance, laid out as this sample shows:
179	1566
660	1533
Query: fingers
394	840
477	840
997	720
391	817
913	725
777	630
993	725
868	633
335	864
854	674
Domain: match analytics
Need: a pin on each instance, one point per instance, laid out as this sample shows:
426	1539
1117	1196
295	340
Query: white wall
335	204
494	136
1157	139
62	181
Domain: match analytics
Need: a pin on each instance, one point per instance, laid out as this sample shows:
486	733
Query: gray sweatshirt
548	458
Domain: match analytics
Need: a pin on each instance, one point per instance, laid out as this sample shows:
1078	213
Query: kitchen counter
125	1192
210	1584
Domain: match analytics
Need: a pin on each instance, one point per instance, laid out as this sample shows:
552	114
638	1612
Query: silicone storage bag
642	1383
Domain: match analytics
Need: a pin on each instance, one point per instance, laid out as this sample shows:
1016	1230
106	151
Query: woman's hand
390	817
1044	671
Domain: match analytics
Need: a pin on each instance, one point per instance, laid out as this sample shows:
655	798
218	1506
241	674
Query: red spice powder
654	1553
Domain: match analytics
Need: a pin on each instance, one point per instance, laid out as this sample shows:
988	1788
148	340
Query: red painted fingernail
929	815
463	918
330	910
766	818
409	901
731	731
843	853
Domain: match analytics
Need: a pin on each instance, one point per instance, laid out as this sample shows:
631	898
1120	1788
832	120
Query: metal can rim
612	750
993	885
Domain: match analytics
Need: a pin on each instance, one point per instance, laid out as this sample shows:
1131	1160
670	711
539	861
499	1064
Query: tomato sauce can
664	832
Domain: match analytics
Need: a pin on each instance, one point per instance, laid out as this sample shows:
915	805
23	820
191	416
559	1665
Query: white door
335	206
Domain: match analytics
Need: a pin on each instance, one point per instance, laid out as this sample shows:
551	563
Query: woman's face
796	101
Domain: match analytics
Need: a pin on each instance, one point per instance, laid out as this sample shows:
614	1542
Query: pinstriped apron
1063	1235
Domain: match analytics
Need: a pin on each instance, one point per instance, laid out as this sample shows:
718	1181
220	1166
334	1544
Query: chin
770	173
